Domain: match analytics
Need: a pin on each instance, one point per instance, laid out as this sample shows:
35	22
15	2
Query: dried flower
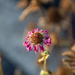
70	61
37	38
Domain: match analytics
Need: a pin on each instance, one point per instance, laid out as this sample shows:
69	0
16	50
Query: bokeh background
15	60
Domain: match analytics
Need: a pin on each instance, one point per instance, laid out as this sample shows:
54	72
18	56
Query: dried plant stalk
22	3
70	61
31	8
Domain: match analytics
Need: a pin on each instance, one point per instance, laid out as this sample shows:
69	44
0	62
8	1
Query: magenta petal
46	36
35	49
29	47
44	31
47	41
41	48
27	37
29	33
32	31
26	43
36	29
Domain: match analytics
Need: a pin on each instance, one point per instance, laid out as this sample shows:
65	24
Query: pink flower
36	39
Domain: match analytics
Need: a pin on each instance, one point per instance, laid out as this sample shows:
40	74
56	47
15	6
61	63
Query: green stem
45	65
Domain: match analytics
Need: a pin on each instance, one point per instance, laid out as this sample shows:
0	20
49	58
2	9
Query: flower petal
29	47
44	31
41	48
35	49
36	29
26	43
46	36
47	41
27	37
29	33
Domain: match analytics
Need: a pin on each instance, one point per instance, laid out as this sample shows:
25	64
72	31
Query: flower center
36	38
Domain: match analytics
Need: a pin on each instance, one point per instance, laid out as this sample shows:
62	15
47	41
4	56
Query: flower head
36	39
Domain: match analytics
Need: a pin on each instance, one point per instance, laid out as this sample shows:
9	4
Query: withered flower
70	60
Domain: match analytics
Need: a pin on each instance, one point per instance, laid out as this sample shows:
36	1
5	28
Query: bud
45	72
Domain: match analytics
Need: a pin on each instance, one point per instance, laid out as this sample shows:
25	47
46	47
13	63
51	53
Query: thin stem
45	65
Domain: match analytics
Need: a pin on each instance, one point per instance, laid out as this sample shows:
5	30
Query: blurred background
17	17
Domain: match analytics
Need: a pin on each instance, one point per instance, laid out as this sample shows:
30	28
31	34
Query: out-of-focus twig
34	5
31	8
22	3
